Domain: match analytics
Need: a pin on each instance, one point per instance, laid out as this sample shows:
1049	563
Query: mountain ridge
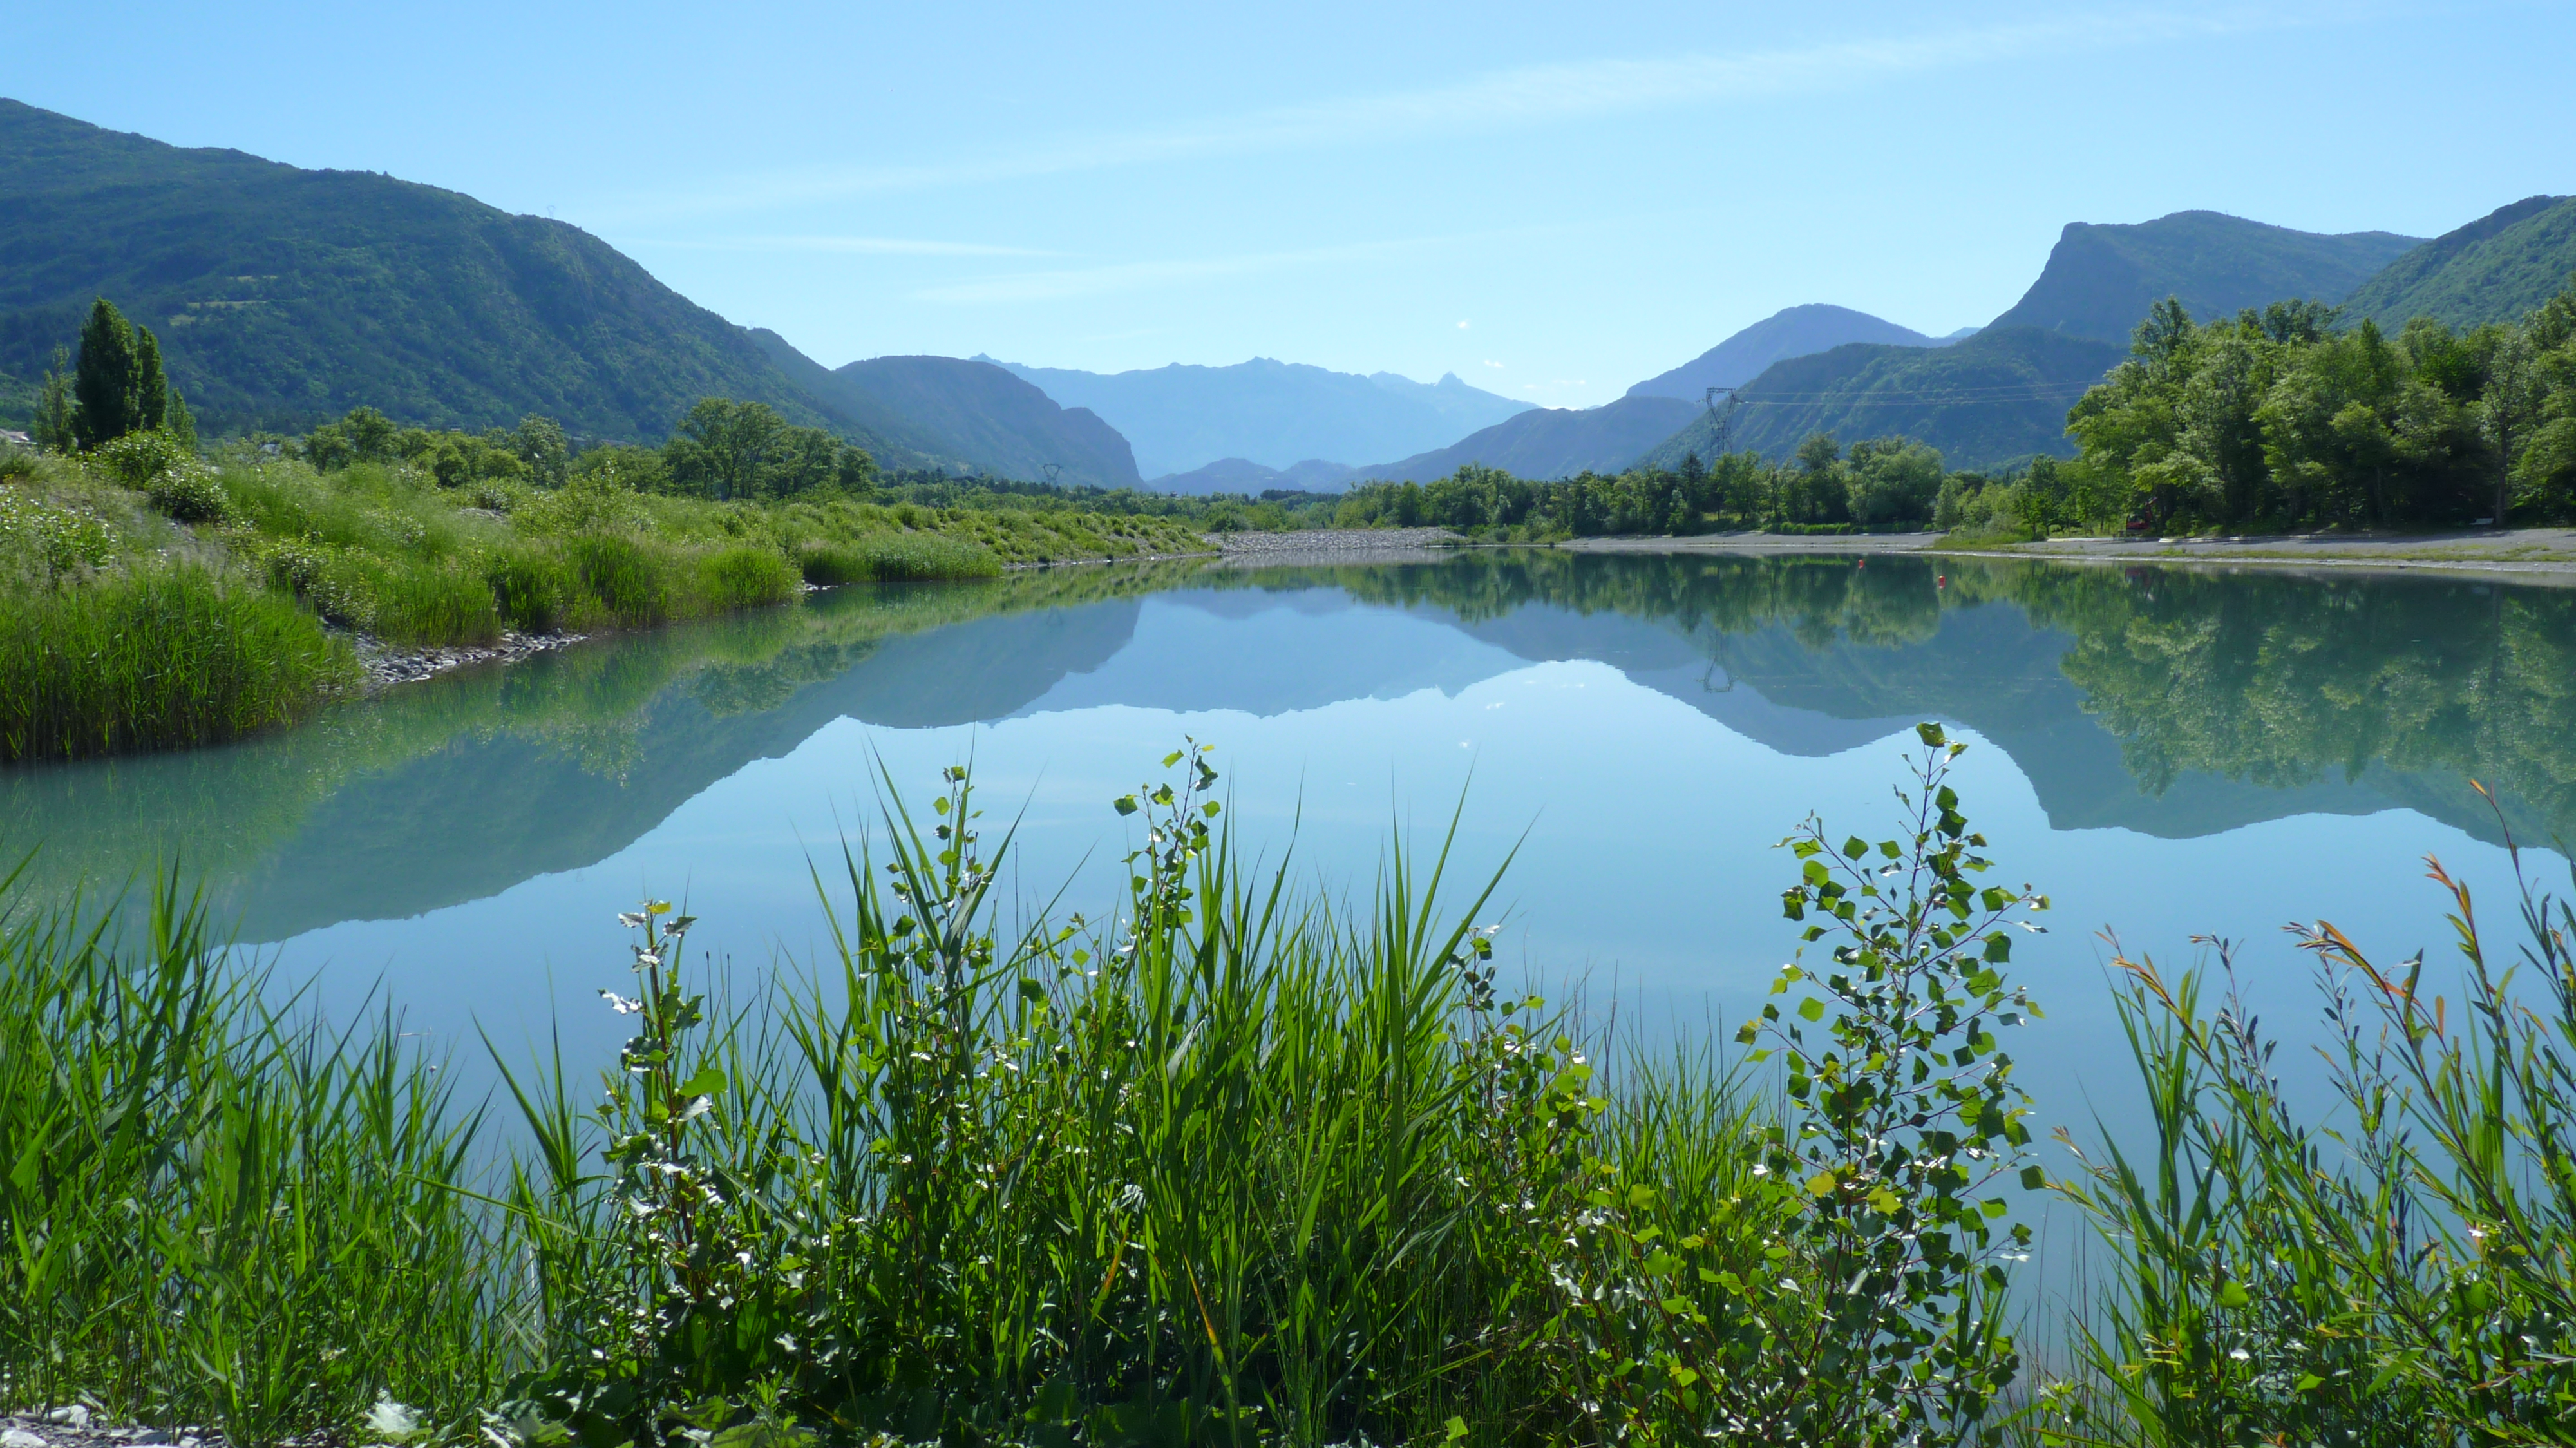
2101	278
1790	332
283	296
997	421
1550	442
1184	416
2494	269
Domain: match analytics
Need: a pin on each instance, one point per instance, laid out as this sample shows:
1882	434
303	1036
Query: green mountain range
1274	414
1243	475
977	410
1989	399
2495	269
283	297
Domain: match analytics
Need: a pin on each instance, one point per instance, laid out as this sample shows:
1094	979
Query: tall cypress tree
54	406
181	423
104	380
151	389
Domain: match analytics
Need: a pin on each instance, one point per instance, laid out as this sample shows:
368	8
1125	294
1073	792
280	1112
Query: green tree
726	449
1893	480
117	385
722	447
180	423
2510	409
372	436
54	428
539	442
151	389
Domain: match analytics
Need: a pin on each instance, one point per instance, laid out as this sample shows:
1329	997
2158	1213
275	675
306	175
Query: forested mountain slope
1552	442
1180	418
999	424
2100	280
1989	399
283	296
2497	268
1791	332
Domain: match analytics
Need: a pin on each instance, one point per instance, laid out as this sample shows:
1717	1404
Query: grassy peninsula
167	595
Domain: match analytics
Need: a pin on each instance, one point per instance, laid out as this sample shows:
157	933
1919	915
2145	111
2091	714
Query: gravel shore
1336	545
388	664
74	1428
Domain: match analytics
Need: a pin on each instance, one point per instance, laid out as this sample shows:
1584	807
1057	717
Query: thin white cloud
850	245
1501	100
1134	276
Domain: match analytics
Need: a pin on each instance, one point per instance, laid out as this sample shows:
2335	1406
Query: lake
2167	752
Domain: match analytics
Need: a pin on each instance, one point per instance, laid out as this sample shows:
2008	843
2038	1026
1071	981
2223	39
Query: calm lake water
2166	752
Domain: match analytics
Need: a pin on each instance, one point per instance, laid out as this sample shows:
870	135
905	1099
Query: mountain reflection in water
2172	702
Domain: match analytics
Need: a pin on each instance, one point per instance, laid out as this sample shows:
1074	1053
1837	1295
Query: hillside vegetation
1003	424
1552	442
2495	269
158	599
2101	279
1984	402
285	297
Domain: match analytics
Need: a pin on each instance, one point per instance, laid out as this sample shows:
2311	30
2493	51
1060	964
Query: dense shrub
43	541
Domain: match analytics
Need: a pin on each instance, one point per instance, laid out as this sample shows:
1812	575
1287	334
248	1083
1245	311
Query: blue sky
1550	200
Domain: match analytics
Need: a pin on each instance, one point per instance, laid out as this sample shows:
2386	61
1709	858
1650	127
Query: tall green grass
156	659
2402	1273
624	581
532	589
1246	1161
220	1211
745	577
435	603
1239	1164
896	558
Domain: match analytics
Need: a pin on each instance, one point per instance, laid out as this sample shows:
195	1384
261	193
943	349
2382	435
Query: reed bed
118	544
220	1211
156	659
896	558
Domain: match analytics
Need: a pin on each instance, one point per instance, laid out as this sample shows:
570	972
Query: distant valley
1273	414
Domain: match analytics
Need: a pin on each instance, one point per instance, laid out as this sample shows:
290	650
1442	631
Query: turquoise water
2166	753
